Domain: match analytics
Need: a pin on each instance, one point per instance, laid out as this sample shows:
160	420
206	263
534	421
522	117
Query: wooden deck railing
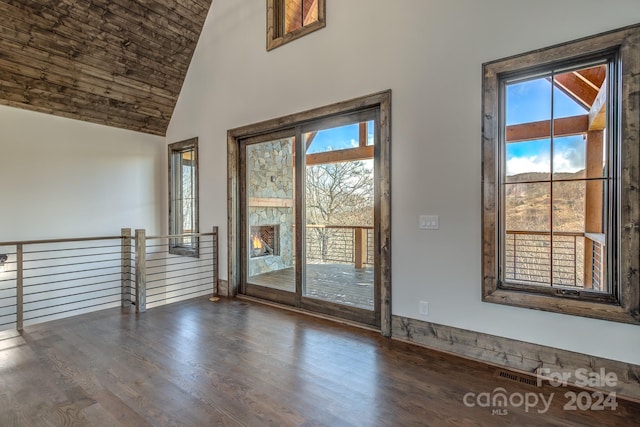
531	257
341	244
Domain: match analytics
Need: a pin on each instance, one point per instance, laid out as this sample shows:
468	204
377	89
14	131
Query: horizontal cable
74	263
167	268
174	236
202	244
194	259
200	260
6	306
73	309
72	272
181	283
10	323
83	248
173	270
69	257
78	293
182	295
70	280
183	275
69	303
68	287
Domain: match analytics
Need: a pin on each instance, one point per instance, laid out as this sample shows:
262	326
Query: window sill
562	304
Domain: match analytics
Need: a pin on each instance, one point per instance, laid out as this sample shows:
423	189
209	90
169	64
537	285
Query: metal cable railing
49	279
162	277
543	258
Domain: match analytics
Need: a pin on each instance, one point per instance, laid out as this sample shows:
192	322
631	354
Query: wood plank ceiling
119	63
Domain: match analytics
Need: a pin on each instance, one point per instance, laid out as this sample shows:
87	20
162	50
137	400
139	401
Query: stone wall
270	177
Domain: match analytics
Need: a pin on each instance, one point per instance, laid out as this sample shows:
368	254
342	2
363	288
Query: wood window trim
381	101
276	36
177	147
626	308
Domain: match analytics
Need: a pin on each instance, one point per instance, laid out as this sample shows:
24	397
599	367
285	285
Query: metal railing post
125	265
19	287
141	271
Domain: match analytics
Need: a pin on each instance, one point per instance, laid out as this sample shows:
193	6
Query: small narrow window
560	178
288	20
183	197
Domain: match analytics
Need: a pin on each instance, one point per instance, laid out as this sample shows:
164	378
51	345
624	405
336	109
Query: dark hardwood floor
236	363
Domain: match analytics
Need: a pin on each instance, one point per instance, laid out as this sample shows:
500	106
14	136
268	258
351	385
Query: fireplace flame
256	242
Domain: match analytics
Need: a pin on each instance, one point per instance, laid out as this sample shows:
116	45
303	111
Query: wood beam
577	88
336	156
565	126
310	136
598	112
270	202
362	134
310	11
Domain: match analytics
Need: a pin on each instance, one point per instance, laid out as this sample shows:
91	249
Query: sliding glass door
308	222
269	217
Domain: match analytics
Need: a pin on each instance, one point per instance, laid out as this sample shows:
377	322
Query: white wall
429	52
67	178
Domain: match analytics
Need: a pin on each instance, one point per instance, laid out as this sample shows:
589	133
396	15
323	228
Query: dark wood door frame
382	229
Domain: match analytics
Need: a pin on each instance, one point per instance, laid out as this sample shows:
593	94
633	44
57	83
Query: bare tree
338	194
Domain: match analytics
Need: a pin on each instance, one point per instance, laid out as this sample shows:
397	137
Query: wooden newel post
141	271
125	266
214	244
360	247
19	287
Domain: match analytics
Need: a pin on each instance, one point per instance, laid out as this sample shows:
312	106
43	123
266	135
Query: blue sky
339	138
527	101
530	101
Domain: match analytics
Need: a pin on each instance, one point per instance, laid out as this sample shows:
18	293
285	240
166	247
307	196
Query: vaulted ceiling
115	62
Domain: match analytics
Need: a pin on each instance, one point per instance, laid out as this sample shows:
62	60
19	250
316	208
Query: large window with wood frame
183	197
560	168
288	20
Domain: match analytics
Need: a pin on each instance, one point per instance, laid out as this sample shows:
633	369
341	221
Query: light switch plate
429	222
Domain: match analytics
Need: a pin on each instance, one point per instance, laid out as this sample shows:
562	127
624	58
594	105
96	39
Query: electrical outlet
424	308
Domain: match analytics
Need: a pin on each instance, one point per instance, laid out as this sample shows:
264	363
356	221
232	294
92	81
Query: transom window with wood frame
288	20
183	197
560	178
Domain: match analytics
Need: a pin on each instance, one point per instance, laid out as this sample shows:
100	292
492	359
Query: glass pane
569	154
576	91
184	197
299	13
569	206
528	161
568	259
527	257
188	191
339	222
528	207
528	101
340	138
596	159
270	214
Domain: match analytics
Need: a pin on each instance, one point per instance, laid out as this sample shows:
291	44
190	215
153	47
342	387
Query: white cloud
571	160
516	165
